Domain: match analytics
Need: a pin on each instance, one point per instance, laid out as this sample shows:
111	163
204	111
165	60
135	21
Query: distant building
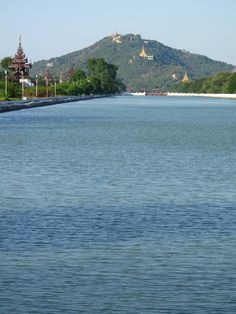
143	55
185	78
20	66
174	76
116	38
27	82
50	64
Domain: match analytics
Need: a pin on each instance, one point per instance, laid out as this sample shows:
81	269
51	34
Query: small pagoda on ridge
143	55
20	66
185	78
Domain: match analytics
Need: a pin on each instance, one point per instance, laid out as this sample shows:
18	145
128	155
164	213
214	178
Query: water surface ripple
119	205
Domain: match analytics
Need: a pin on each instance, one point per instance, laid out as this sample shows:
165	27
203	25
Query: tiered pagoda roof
20	66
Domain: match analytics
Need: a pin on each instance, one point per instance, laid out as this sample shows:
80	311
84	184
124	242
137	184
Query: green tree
102	76
231	86
13	90
78	75
5	62
101	80
219	83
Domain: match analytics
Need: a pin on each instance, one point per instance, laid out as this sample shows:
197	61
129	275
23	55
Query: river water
119	205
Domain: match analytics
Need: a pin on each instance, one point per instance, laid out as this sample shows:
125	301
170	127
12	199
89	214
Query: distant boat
139	94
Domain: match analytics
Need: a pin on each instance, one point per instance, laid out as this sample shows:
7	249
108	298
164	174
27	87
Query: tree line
221	83
99	78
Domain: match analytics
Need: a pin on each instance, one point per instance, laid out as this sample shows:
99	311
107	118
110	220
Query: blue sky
51	28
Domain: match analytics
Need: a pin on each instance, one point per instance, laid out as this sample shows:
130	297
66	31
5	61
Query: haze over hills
142	63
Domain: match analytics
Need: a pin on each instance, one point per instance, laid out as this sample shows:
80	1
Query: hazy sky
51	28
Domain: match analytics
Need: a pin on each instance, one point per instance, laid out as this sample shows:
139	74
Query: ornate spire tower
20	66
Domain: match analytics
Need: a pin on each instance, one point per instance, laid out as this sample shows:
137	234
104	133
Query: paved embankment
35	102
233	96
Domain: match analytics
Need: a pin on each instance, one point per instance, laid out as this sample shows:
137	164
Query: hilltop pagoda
116	38
20	66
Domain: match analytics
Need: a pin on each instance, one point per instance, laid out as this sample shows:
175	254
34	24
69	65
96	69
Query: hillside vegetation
219	83
163	72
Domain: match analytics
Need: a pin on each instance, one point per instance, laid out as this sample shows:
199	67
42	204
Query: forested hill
165	70
220	83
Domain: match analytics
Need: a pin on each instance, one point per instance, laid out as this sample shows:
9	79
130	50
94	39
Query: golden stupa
143	53
185	78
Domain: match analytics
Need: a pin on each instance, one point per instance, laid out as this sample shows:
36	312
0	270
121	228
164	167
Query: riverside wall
6	106
233	96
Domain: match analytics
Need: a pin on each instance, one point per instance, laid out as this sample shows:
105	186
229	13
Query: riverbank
6	106
231	96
